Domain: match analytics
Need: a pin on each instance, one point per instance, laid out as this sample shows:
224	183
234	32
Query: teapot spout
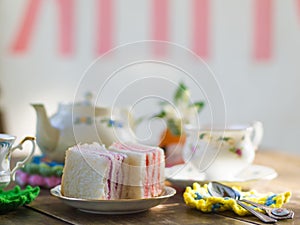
47	136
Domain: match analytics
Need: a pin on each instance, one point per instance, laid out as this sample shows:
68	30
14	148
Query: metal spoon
220	190
276	213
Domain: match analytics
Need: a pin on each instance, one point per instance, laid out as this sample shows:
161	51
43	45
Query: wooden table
50	210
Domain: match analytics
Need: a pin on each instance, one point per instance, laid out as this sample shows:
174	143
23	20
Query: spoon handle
276	213
261	216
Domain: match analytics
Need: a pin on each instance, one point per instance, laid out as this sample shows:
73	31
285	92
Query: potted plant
176	115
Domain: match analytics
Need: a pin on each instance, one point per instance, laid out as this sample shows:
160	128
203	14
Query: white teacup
222	153
6	149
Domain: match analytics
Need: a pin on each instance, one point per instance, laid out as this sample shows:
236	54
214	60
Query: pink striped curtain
263	28
200	29
160	25
104	35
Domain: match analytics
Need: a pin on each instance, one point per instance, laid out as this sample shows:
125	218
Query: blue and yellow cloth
199	198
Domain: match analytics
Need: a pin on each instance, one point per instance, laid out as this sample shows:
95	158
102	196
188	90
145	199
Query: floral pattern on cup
237	151
229	142
221	153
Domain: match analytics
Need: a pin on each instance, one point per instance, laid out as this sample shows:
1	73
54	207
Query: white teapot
81	123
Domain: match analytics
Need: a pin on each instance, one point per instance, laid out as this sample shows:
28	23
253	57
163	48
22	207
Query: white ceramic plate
185	176
120	206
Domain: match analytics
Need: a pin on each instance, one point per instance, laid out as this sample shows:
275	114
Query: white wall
252	90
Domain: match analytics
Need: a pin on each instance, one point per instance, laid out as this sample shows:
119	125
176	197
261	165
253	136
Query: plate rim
168	192
270	176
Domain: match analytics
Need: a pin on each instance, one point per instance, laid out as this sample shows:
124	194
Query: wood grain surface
47	209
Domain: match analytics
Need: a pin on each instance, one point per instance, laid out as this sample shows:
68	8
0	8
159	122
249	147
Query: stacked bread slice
126	170
144	168
92	172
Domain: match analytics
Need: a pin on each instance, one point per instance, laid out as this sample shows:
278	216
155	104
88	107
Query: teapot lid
88	104
85	103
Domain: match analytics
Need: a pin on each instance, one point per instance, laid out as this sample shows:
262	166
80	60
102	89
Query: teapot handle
257	133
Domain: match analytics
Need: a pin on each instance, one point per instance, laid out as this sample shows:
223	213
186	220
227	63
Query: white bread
92	172
125	171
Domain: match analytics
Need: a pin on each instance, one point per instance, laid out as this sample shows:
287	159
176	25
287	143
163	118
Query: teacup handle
257	133
28	157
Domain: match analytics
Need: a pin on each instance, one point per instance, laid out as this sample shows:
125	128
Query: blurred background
252	46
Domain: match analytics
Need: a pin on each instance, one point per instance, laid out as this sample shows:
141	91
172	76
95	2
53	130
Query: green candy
57	171
31	168
45	170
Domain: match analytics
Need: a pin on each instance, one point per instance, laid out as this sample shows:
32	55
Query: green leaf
199	105
201	136
162	114
180	91
163	103
175	130
139	120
